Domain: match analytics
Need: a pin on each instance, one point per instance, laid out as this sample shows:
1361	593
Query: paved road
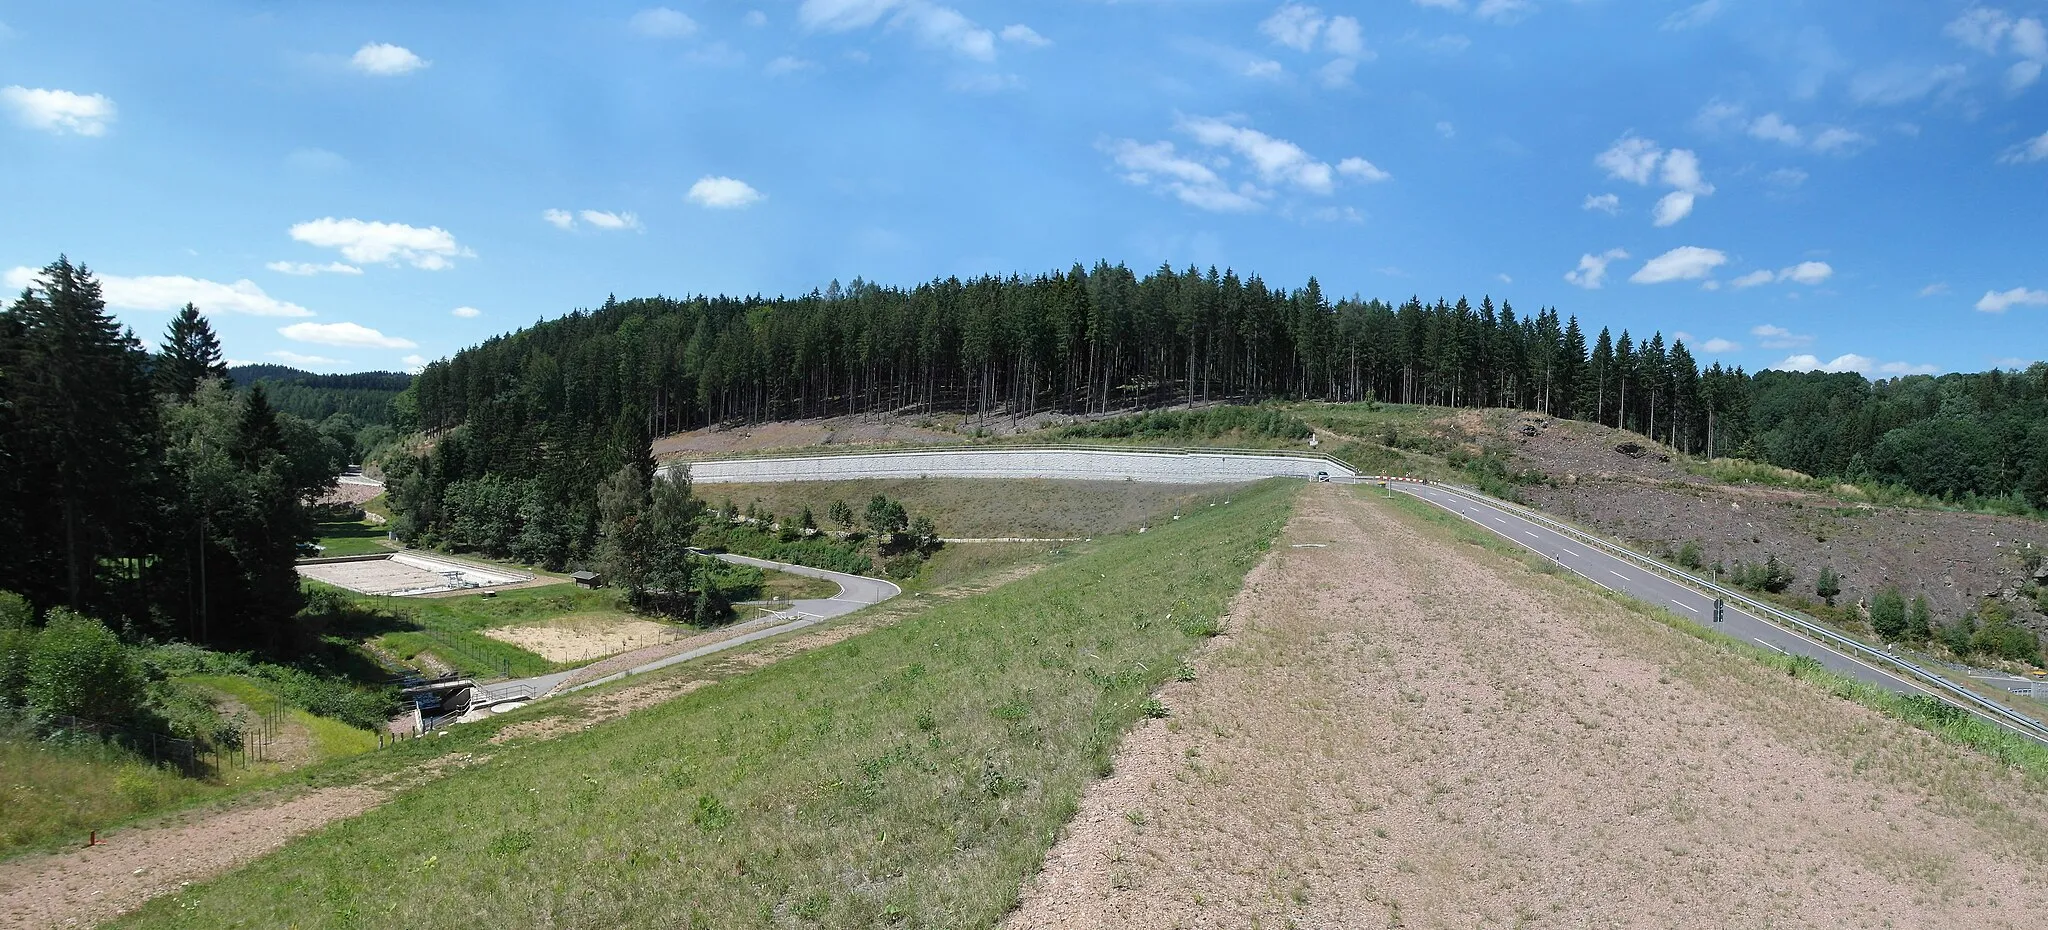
855	592
1617	574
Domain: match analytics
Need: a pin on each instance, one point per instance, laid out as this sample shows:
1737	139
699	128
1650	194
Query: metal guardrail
974	448
1965	698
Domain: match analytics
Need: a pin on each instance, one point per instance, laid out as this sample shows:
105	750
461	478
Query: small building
591	580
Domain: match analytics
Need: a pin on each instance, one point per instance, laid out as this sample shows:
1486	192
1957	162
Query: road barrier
1949	691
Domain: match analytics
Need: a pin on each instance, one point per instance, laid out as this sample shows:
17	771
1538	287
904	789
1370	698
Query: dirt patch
353	495
86	886
579	637
1408	731
854	431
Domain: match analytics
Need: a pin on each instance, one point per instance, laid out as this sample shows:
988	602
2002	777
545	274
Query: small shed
590	580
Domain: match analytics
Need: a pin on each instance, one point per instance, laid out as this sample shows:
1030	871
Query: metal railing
1968	700
984	448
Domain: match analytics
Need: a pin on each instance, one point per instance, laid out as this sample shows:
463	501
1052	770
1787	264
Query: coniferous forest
528	423
135	486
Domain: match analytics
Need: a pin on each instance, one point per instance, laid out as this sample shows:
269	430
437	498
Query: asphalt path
855	592
1617	574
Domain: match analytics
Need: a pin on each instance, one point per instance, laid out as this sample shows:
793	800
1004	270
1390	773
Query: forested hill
365	396
554	408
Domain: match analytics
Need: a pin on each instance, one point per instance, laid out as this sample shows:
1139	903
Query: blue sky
1858	186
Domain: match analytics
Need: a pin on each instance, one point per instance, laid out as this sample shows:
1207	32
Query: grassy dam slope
913	776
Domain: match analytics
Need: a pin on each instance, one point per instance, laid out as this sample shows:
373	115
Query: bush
1888	614
79	667
1690	556
905	565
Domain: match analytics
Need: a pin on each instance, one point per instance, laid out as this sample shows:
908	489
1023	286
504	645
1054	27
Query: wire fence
256	742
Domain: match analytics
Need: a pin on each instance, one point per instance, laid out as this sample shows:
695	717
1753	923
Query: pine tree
1827	584
842	515
82	434
1919	620
190	354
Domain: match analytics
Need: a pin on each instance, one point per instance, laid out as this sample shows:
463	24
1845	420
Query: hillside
366	396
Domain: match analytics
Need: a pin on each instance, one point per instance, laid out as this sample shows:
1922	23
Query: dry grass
581	637
1407	730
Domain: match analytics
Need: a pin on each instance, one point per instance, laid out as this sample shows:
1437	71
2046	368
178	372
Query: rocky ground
1955	559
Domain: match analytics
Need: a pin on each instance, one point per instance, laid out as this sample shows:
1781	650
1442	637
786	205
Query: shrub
80	667
1888	614
905	565
1690	556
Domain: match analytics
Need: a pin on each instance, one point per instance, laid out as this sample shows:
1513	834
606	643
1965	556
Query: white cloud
984	83
345	335
169	292
1337	72
1592	270
1901	83
1635	159
562	219
1720	346
1787	177
1344	37
1980	28
364	242
1275	160
2000	301
1835	139
1362	169
1631	158
662	23
309	268
1685	263
1503	11
1196	180
467	313
1455	6
1693	16
1158	165
936	25
1020	34
1778	337
604	219
1773	127
1263	68
1609	204
1718	115
1294	25
414	364
843	15
1505	278
1672	207
787	64
294	358
1445	129
1753	279
1808	273
1851	362
1938	287
2032	150
755	18
386	60
722	193
59	111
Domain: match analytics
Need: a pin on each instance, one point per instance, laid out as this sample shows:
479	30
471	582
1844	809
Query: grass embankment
788	587
350	537
58	792
450	628
1952	725
973	508
912	775
322	738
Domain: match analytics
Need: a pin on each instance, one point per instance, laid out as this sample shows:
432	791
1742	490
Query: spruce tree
1827	584
190	354
82	435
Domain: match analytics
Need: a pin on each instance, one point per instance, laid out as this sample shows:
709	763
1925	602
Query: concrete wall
1092	465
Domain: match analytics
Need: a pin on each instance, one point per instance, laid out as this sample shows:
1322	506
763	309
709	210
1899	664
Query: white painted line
1771	647
1569	553
1688	607
1531	535
1618	575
